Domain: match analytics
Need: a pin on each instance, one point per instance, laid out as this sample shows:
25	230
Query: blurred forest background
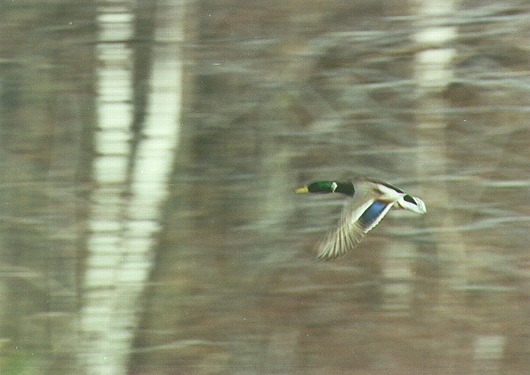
149	151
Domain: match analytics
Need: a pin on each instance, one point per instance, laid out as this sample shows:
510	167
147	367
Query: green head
327	187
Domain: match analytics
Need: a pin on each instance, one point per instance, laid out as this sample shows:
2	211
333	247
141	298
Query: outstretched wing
358	218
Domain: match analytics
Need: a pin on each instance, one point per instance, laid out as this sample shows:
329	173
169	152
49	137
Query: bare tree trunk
131	182
102	350
434	72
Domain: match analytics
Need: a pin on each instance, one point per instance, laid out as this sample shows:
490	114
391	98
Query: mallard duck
370	200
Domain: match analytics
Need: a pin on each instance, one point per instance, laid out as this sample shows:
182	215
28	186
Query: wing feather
361	214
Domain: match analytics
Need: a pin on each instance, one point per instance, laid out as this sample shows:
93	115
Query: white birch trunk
434	72
121	242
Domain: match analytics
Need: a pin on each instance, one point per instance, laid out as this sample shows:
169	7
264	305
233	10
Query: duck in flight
370	200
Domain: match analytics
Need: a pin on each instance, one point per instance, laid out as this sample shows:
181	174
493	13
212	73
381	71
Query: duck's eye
409	199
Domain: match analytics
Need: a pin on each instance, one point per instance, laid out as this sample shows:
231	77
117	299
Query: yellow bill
302	189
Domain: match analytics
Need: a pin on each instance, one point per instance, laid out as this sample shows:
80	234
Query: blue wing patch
371	214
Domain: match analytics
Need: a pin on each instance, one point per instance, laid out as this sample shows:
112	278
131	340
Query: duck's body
370	200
